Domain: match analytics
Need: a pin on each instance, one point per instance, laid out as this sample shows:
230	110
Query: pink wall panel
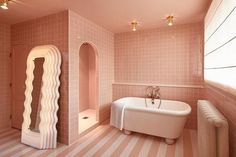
18	77
82	30
87	78
5	71
168	56
92	79
83	78
52	29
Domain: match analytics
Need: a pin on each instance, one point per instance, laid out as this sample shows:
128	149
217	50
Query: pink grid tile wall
226	103
5	71
82	30
52	29
169	56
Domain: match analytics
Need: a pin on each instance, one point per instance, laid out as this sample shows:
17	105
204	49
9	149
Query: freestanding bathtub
144	117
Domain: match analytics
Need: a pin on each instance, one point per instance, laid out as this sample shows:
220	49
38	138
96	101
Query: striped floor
104	141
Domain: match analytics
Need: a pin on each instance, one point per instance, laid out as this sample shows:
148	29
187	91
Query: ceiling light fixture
170	20
4	4
134	25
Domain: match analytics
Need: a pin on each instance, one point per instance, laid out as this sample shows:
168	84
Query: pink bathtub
168	121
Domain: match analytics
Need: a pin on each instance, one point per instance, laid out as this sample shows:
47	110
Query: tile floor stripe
88	142
88	137
154	147
187	144
170	152
122	146
179	147
104	141
6	139
9	143
138	146
96	144
12	150
146	147
21	152
162	150
130	146
8	133
107	145
194	142
114	146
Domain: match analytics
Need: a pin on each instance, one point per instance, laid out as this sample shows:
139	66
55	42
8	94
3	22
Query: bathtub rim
185	112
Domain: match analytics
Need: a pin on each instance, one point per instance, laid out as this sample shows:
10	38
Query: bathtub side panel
168	126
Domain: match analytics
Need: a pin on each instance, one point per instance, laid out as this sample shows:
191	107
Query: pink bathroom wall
170	56
87	78
52	29
5	71
82	30
84	78
226	104
92	79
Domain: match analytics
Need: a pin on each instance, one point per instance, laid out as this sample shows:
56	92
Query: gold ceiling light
4	4
134	25
170	20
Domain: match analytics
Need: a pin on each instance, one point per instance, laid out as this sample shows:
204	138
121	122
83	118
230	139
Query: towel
117	114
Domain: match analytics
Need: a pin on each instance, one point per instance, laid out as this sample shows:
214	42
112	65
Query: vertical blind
220	43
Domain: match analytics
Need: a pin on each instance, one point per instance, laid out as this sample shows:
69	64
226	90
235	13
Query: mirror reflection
36	94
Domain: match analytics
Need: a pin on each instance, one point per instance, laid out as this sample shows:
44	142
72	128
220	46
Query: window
220	43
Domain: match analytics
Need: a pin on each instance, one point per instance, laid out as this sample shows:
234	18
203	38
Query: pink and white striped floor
104	141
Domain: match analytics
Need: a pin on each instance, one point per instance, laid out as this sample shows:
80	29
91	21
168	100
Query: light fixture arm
134	25
170	20
4	4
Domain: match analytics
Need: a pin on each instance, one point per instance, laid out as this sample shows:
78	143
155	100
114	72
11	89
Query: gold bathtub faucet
153	93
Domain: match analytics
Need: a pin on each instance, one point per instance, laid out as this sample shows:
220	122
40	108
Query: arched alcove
88	87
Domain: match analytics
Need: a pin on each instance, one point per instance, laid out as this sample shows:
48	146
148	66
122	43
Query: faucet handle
149	95
156	88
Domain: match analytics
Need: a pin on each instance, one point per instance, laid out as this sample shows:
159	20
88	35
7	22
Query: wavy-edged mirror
41	97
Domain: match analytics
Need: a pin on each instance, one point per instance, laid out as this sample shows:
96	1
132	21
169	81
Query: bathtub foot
127	132
169	141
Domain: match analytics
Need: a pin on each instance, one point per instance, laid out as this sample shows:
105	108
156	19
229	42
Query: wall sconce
4	4
134	25
170	20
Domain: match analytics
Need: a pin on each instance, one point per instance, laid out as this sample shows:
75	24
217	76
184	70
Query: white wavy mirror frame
47	135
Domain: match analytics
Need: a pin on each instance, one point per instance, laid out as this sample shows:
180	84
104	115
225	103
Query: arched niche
88	84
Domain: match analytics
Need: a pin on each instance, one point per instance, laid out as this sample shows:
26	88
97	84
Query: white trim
160	85
47	136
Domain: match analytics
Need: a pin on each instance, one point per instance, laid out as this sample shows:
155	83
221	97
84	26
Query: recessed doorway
88	87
